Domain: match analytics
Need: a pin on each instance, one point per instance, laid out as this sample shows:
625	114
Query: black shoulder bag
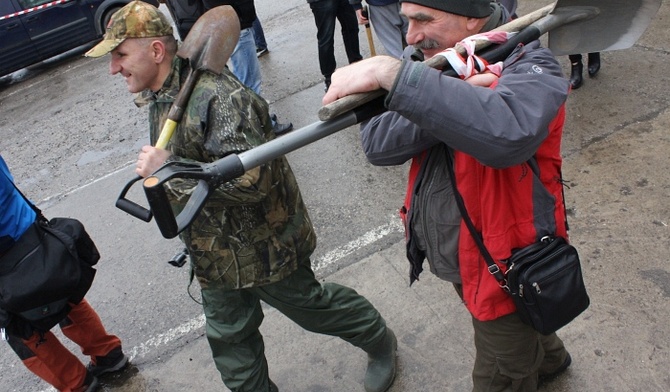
544	279
50	266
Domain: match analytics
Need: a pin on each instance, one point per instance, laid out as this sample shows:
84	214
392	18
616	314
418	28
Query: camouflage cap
136	19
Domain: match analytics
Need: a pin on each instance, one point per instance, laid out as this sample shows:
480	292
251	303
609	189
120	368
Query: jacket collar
170	88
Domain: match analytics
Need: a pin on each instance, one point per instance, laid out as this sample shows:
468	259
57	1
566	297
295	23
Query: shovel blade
212	39
617	25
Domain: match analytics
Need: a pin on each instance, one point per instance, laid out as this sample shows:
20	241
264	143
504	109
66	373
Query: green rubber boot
381	363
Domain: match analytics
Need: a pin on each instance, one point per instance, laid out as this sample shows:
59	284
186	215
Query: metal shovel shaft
213	174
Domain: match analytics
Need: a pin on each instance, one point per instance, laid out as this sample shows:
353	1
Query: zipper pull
537	287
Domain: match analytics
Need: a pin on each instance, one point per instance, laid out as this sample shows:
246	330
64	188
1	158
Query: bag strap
492	266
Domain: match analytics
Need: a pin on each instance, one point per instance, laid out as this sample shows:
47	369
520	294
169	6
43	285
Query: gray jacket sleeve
500	126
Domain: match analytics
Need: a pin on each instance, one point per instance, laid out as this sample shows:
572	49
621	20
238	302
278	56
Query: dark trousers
325	12
511	355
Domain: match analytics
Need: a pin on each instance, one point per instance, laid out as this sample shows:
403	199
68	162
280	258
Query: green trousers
234	316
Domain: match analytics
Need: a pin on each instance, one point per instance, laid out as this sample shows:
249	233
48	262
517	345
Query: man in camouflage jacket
253	239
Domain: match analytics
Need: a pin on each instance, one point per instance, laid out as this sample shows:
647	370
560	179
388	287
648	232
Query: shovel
207	47
580	26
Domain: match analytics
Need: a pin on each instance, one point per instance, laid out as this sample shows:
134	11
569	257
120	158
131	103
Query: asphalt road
70	132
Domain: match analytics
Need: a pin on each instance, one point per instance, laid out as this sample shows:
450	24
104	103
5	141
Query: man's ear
474	25
158	51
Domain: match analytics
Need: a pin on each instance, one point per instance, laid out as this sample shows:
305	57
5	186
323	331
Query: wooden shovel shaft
352	101
177	110
368	31
207	47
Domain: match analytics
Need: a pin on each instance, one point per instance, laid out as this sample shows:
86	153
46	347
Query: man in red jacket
500	133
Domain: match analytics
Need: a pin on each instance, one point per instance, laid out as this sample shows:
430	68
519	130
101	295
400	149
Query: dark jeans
325	12
259	35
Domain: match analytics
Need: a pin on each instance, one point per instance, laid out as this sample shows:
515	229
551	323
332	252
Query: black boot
381	363
273	387
279	128
576	76
594	63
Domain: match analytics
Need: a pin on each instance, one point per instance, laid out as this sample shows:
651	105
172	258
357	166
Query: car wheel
107	16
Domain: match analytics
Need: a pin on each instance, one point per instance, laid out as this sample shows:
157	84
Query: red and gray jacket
505	145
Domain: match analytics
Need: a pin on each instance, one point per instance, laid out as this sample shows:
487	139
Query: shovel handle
209	176
131	207
166	133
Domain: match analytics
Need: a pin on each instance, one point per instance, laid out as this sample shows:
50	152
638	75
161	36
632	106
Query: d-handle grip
131	207
209	176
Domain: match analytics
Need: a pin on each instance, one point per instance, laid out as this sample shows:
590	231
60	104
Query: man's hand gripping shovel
207	47
574	26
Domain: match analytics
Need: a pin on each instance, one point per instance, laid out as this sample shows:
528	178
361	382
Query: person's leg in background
324	16
349	23
46	356
576	68
594	63
244	63
390	27
259	38
246	67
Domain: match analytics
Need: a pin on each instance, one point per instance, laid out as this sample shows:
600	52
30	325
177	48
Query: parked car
35	30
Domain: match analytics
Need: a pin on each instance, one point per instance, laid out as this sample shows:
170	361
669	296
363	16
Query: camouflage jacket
255	229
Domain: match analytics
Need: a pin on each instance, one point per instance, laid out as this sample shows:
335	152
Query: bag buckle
499	276
494	269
